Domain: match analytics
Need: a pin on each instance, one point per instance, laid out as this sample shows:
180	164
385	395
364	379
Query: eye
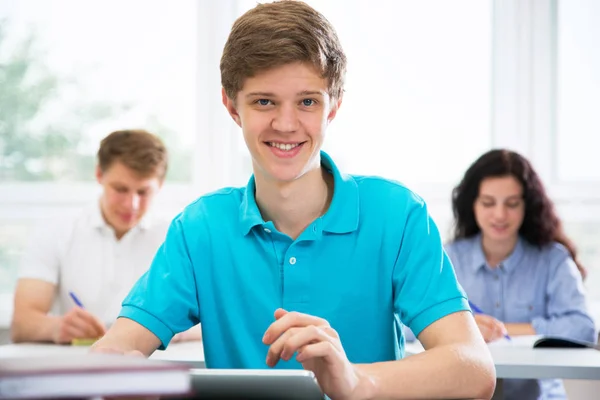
514	204
263	102
487	203
308	102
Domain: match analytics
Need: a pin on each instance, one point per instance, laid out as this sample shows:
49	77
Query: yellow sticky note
83	342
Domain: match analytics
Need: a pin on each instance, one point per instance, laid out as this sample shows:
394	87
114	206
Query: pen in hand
478	310
76	300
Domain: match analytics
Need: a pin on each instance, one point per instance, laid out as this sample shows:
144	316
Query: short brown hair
279	33
137	149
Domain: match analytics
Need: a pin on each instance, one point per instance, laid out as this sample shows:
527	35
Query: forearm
126	335
452	371
520	329
33	326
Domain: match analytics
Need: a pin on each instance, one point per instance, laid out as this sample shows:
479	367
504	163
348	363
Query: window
70	73
578	81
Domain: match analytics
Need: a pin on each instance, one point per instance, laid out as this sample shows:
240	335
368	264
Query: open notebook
544	342
90	375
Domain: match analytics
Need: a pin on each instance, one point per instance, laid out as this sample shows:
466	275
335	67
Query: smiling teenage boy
306	267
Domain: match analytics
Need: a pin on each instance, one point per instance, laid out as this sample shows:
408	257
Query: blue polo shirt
374	261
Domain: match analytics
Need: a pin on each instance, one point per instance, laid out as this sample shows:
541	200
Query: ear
337	103
98	174
230	106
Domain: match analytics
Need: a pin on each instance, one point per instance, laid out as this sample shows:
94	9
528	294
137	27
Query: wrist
54	331
366	388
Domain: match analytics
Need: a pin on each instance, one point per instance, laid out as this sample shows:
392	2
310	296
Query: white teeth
284	146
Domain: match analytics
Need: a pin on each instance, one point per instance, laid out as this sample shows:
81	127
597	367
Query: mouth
285	151
284	146
127	217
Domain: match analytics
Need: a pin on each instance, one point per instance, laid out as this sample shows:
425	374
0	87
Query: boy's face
126	196
283	113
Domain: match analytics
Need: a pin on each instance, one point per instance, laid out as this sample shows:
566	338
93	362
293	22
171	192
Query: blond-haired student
78	268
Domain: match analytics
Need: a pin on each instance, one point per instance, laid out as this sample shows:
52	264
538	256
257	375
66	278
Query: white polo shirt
80	253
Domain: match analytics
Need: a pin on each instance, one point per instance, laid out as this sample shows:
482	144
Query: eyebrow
270	94
514	196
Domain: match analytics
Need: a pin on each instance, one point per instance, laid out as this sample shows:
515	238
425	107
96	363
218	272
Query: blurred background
431	85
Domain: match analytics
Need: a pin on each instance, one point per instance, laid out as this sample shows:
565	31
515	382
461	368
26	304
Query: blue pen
478	310
76	300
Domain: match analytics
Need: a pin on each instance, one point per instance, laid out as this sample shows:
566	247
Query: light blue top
541	286
374	259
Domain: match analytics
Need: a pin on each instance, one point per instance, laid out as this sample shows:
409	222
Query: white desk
519	360
191	353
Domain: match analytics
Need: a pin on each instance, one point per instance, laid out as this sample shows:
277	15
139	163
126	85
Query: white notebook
90	375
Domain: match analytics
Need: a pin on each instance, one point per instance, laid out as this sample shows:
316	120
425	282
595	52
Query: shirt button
497	305
267	230
292	260
495	277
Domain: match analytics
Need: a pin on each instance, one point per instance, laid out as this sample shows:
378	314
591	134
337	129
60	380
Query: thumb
280	312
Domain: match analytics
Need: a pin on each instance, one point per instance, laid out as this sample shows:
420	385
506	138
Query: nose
134	201
286	119
500	212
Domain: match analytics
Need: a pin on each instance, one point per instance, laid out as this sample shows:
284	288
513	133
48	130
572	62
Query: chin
284	174
501	236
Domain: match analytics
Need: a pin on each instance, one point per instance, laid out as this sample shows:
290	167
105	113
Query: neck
292	206
497	251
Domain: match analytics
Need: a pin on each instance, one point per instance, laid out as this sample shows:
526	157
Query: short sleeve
41	259
164	299
425	285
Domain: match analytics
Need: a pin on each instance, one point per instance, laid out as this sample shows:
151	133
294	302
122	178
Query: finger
495	332
487	322
280	312
304	336
97	327
323	349
500	329
81	323
93	320
290	320
274	352
71	332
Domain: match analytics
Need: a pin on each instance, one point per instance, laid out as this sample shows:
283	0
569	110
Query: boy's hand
78	324
319	350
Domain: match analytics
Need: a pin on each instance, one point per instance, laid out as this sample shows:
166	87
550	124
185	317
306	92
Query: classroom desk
191	353
512	360
519	360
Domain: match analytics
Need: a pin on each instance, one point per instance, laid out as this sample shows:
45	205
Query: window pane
13	239
417	101
72	71
578	70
